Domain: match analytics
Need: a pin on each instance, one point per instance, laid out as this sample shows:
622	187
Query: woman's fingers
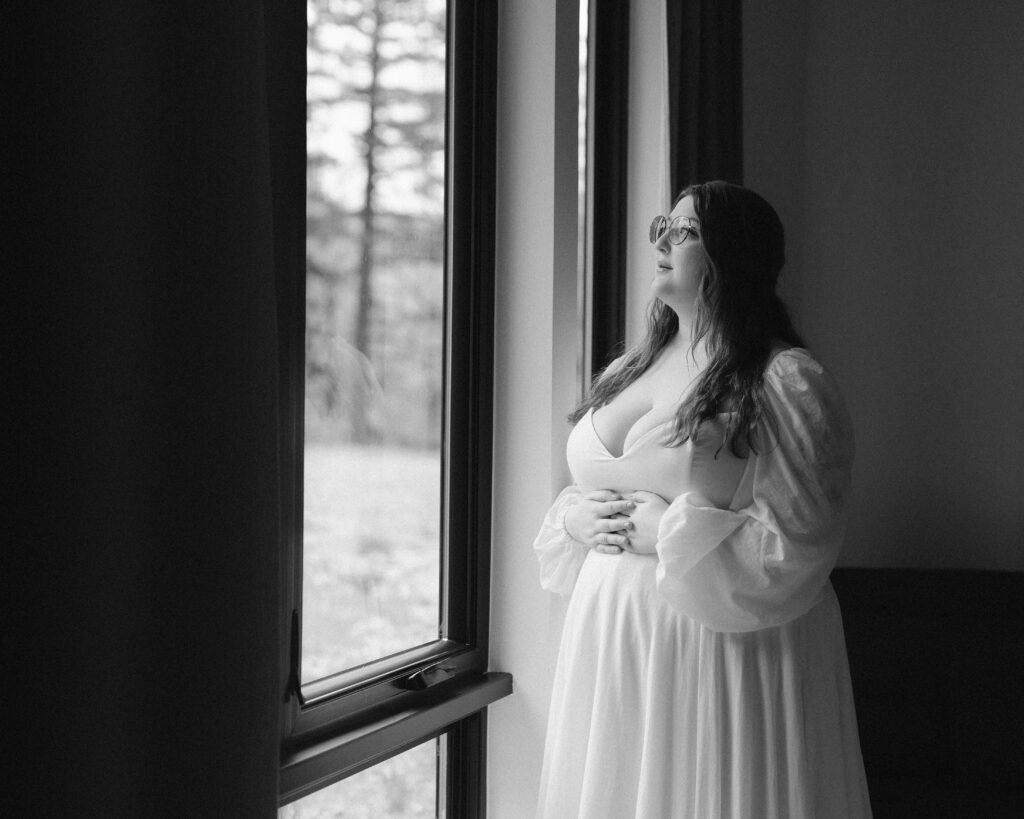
617	507
613	541
642	496
608	544
602	521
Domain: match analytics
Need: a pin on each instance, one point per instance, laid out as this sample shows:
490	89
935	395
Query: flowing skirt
655	716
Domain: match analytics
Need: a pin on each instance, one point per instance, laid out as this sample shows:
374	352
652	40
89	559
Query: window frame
342	724
607	181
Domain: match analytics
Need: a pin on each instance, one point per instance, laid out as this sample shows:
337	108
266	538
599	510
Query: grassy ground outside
371	562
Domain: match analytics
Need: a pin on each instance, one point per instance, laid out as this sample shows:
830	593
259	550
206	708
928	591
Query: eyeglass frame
690	228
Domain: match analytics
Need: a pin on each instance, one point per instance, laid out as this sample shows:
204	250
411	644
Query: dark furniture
936	660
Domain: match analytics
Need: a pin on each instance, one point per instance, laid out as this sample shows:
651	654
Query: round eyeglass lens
658	228
678	232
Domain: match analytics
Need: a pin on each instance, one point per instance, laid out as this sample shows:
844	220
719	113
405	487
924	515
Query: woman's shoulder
802	391
788	362
616	364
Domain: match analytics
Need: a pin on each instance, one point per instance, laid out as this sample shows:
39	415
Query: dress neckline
625	449
776	356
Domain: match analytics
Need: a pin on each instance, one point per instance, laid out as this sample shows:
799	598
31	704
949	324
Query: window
386	306
402	787
374	341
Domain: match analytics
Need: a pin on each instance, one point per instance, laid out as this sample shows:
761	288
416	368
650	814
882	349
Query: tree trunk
362	431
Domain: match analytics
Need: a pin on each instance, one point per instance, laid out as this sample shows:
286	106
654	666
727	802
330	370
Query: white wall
536	339
890	135
535	372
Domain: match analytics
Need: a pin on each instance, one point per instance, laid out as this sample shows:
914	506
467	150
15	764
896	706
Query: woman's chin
672	298
661	287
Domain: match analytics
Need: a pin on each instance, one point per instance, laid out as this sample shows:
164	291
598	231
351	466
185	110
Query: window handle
428	677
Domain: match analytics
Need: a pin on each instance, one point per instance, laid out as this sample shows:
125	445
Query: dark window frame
608	115
340	725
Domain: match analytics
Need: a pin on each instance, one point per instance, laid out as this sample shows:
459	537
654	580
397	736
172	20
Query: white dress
709	681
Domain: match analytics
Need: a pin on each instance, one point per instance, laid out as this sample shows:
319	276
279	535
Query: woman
702	670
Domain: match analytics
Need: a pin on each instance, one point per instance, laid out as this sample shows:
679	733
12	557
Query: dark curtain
705	50
142	543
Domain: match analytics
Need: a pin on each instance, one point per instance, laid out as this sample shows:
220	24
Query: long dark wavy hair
739	316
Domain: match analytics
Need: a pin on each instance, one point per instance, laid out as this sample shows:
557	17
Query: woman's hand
645	517
598	520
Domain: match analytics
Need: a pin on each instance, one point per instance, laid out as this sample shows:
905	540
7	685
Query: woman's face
679	268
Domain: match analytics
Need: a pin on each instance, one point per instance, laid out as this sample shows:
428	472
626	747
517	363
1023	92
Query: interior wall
774	113
895	153
535	364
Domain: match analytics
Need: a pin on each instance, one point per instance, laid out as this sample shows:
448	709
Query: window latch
428	677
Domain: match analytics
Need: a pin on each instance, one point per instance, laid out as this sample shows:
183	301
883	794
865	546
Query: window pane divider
322	761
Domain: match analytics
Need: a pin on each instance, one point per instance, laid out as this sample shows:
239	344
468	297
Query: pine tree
370	64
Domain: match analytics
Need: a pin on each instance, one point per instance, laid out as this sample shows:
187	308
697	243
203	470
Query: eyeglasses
679	229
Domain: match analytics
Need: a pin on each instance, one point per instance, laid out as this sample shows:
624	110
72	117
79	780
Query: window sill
322	762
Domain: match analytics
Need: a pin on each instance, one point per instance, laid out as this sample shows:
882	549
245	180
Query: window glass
403	787
375	294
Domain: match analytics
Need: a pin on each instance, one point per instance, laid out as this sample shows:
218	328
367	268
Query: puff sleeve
767	561
561	557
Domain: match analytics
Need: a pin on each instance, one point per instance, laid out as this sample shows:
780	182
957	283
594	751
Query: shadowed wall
890	136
